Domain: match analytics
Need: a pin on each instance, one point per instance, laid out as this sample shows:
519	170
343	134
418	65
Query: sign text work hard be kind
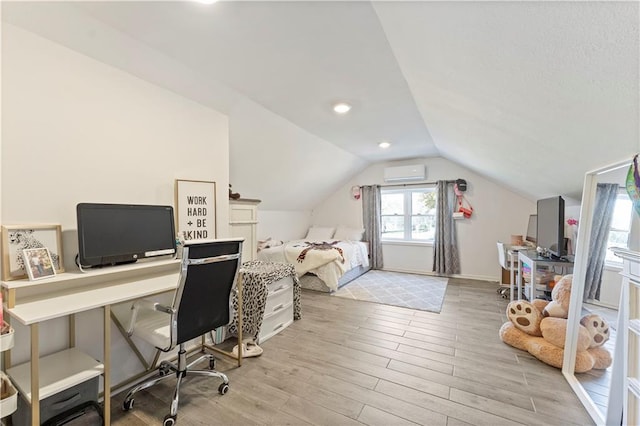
196	203
196	216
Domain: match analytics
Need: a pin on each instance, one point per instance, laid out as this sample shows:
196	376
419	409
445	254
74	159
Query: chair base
504	290
181	370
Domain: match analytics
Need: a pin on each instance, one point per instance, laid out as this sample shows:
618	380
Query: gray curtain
446	259
371	209
606	194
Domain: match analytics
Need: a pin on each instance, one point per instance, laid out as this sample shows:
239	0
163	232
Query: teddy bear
540	327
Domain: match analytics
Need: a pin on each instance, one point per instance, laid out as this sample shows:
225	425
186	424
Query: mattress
312	282
328	261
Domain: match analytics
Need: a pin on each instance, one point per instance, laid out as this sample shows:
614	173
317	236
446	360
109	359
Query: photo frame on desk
16	238
195	203
38	263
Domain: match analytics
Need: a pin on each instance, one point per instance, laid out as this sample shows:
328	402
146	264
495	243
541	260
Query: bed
322	264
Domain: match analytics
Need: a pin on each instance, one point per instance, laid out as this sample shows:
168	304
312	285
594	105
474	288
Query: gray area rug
398	289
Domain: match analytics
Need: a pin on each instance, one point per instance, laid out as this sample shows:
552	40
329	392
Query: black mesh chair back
207	279
202	303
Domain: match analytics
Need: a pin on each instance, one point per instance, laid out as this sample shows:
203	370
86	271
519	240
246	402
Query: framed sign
195	209
16	238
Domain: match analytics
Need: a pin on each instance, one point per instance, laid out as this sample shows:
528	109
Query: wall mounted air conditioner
405	173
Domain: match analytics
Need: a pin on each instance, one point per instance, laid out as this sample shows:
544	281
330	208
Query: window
620	227
408	214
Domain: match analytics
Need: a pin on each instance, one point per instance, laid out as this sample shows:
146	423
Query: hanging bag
463	205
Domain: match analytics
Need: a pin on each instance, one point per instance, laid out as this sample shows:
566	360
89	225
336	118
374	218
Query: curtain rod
410	184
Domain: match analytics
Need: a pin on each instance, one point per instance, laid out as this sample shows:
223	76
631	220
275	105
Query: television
550	226
112	234
532	229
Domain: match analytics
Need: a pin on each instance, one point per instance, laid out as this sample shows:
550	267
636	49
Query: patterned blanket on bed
306	255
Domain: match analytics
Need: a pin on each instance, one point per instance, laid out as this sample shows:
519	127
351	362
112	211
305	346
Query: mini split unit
405	173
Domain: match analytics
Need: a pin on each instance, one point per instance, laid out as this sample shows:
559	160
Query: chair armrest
148	305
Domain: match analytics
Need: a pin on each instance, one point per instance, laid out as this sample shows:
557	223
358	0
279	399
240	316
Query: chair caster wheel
169	420
224	388
164	370
212	364
127	404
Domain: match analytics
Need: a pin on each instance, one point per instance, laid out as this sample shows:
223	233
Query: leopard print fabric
256	276
320	246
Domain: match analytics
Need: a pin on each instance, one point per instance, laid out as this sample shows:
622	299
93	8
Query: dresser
624	397
243	221
278	312
271	299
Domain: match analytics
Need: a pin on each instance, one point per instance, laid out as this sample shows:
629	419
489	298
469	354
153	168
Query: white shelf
98	275
55	305
59	371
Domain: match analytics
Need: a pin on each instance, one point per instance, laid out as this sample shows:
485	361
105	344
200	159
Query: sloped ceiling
530	94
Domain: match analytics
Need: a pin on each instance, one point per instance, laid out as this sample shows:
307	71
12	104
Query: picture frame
195	204
16	238
38	263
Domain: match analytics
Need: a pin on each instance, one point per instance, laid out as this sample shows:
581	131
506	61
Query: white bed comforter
328	264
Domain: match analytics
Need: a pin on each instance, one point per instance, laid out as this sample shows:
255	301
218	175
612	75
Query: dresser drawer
275	322
280	295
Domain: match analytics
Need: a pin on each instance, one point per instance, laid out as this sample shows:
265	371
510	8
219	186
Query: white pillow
348	234
319	233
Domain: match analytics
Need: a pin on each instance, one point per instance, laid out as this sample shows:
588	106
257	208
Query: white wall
282	225
498	213
281	164
74	130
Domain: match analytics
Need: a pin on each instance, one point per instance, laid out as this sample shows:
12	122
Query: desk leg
35	375
107	365
512	282
520	278
534	284
72	330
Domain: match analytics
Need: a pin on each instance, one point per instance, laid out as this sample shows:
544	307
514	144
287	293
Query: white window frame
615	261
407	209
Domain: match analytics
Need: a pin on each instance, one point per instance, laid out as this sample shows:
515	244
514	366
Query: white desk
31	302
533	259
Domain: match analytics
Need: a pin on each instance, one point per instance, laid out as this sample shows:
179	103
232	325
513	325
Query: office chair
505	290
202	303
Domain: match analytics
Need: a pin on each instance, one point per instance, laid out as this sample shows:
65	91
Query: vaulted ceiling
530	94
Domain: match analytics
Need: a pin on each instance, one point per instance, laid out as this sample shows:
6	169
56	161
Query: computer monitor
550	235
532	229
110	234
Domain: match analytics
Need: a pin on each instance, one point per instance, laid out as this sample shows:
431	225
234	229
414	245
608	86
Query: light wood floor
349	363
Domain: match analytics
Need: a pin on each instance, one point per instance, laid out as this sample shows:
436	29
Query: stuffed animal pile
540	328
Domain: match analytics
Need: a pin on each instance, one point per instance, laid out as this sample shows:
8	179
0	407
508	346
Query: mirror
594	388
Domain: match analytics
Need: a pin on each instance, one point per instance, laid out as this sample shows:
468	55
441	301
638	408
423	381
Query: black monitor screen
109	234
550	226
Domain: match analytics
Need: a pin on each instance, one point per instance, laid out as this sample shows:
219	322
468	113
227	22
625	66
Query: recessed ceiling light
342	108
384	145
207	1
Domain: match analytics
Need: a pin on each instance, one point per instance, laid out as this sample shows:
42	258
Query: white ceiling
530	94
